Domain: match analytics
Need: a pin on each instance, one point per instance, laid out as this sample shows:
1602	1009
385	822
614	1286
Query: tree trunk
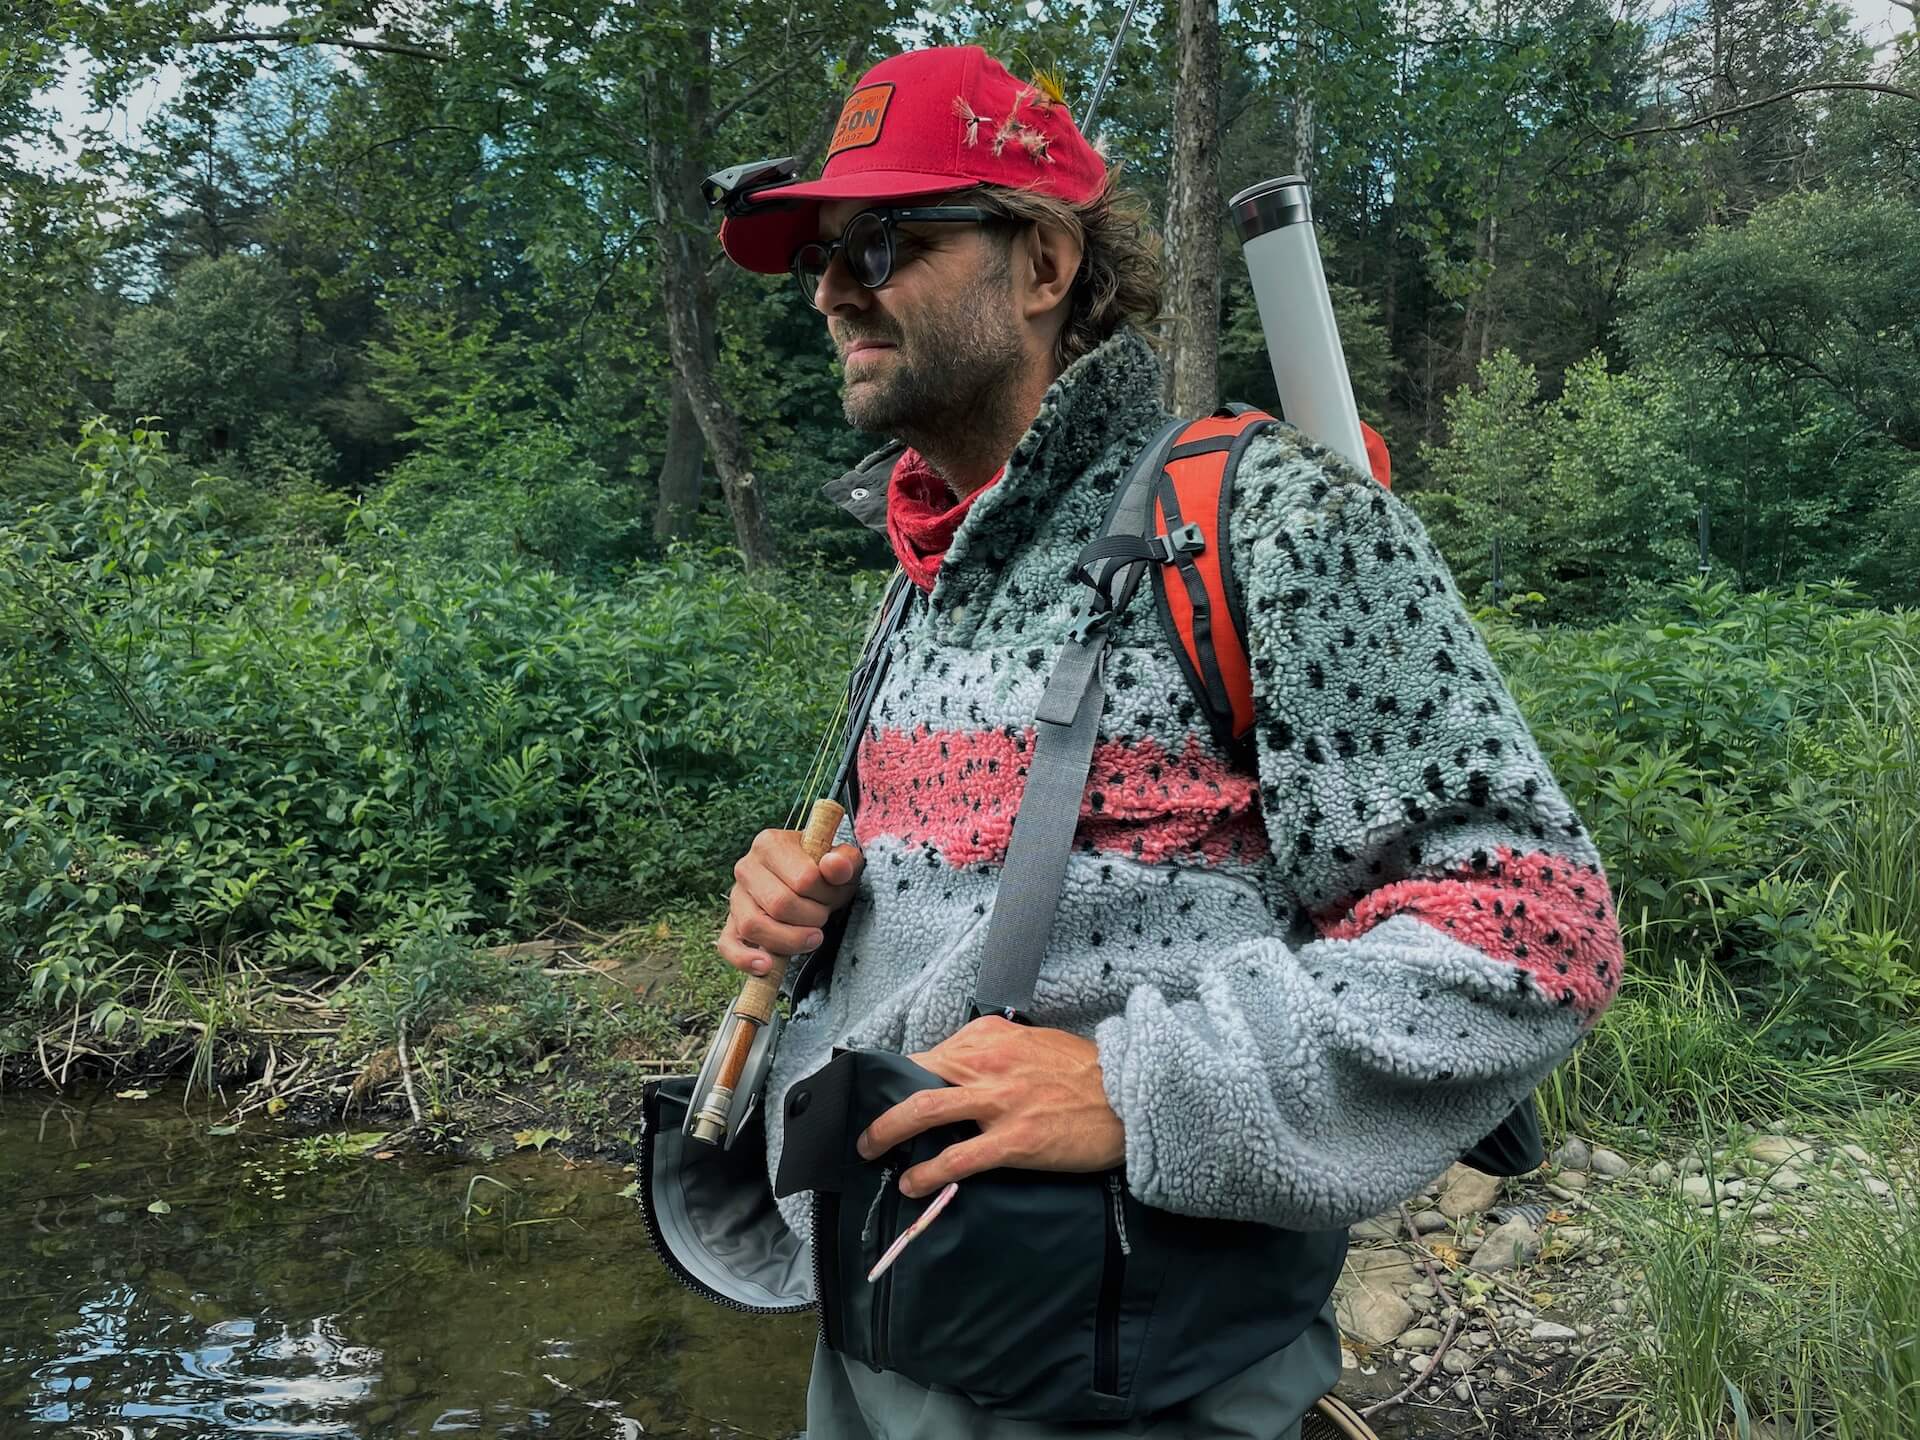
673	176
679	480
1193	215
1303	103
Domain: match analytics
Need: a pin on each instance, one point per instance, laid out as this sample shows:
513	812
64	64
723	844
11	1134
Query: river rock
1463	1392
1778	1149
1456	1362
1609	1163
1514	1242
1370	1315
1786	1178
1465	1191
1573	1179
1854	1153
1766	1239
1573	1155
1428	1221
1420	1337
1698	1189
1547	1330
1387	1269
1660	1172
1380	1227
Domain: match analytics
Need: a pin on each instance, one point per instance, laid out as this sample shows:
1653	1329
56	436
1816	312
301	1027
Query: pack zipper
1113	1278
888	1201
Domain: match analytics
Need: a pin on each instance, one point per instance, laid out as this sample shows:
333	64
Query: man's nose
838	293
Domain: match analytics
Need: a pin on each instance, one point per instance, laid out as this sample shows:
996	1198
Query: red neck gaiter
922	516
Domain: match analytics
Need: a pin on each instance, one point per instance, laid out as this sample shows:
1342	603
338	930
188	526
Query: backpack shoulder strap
1175	510
1194	589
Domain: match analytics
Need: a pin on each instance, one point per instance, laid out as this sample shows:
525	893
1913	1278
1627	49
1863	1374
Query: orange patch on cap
860	118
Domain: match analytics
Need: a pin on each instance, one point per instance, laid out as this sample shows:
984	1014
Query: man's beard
950	376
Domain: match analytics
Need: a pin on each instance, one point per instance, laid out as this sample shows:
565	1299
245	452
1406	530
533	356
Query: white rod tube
1275	225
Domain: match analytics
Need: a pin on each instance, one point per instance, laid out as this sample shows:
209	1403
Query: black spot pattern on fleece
1430	790
1265	1073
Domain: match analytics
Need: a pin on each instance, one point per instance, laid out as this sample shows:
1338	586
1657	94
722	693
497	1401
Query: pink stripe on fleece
1551	918
960	790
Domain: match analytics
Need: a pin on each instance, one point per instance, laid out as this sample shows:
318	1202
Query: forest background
409	541
409	534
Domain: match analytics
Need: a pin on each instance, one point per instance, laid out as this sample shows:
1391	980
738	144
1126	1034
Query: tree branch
1788	94
726	112
294	37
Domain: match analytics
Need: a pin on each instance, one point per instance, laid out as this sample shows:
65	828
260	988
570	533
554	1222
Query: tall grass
1813	1336
1677	1051
1869	845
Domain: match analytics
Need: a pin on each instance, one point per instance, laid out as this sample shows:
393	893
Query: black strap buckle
1187	540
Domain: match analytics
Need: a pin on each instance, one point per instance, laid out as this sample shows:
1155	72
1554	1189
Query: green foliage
204	753
1747	768
214	357
1588	495
529	496
1808	1330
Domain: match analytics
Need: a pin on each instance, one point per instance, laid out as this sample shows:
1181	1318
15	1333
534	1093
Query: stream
162	1275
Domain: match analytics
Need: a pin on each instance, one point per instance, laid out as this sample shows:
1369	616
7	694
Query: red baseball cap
924	123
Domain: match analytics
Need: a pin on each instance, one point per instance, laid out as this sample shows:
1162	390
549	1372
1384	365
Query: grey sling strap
1064	729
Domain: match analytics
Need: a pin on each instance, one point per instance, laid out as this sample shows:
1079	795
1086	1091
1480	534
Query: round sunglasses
869	245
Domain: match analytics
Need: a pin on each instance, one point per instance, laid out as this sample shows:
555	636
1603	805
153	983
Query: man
1289	996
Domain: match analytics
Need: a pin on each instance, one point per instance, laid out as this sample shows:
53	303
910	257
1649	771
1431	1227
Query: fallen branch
406	1077
1446	1340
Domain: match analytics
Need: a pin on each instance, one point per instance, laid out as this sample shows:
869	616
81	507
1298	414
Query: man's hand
1035	1094
780	898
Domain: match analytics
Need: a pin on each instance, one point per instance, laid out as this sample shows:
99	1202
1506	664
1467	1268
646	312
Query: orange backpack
1189	469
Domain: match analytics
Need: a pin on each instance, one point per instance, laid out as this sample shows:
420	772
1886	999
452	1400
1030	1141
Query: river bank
1546	1306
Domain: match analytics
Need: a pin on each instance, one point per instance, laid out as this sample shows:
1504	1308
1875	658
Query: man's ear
1049	261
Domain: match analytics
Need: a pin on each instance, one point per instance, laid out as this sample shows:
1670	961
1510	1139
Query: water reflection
158	1282
228	1378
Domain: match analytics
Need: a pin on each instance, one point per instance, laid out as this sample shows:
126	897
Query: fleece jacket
1313	986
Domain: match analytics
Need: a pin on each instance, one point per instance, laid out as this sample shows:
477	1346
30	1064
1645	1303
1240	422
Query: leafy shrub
529	499
202	753
1749	772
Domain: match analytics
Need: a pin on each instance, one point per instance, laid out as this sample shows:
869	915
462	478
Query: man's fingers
922	1110
776	901
956	1162
842	865
753	929
778	853
737	953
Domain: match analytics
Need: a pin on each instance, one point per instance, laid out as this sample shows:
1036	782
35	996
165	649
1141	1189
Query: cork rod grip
758	995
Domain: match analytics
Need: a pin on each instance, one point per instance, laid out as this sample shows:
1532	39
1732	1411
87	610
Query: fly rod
730	1079
752	1013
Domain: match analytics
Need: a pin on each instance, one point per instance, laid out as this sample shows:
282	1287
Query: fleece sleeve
1464	936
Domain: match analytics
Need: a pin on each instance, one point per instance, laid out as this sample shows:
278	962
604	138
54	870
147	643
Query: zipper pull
866	1230
1119	1213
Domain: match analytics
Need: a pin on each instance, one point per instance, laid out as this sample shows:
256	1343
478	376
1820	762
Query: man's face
936	349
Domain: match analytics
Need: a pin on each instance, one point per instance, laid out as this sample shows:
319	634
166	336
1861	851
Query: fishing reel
719	1109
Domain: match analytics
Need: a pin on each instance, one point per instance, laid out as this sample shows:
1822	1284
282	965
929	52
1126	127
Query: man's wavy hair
1120	277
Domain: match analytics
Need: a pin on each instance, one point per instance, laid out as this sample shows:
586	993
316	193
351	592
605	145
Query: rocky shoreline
1495	1307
